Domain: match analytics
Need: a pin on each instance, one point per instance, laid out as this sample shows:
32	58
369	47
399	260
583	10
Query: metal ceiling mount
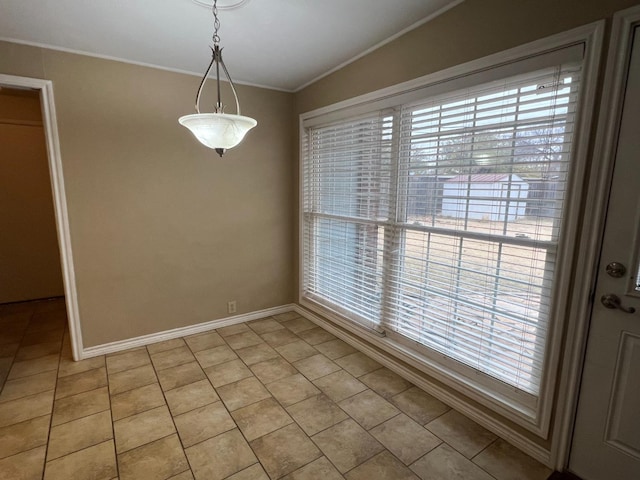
222	4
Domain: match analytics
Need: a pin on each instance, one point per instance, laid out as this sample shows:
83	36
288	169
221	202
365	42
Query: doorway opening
39	250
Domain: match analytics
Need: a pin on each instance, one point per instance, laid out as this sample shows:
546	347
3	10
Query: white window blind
347	175
440	220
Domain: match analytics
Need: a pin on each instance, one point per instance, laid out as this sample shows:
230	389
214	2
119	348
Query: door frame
50	124
596	204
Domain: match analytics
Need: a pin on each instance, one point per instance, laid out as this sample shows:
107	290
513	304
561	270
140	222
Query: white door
606	441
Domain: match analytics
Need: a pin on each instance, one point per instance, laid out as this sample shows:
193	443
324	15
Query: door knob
616	269
613	301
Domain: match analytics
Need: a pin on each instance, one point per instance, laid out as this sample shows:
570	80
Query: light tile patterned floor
273	398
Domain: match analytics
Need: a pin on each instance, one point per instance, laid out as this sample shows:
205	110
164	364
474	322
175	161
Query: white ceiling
281	44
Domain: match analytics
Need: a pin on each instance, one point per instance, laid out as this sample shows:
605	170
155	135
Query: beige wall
163	231
29	255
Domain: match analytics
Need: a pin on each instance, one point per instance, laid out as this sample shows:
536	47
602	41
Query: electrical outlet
231	306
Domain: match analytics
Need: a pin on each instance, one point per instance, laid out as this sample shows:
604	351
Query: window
347	188
436	216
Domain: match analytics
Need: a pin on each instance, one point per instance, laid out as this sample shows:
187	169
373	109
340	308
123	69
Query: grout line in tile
245	468
187	411
13	358
29	396
83	416
293	418
25	396
180	473
113	422
442	442
184	449
37	446
328	459
24	451
271	396
177	432
142	445
128	391
79	450
491	443
480	467
83	448
39	356
32	374
228	413
432	420
471	459
53	403
80	373
382	451
124	391
167	350
125	352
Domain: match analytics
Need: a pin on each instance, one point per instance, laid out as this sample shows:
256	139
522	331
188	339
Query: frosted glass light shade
218	130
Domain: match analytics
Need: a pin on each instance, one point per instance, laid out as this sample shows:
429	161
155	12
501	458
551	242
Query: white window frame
536	419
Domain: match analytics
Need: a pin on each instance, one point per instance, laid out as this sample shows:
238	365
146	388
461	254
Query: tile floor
272	398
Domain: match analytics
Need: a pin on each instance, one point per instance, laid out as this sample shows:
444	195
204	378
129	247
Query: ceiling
280	44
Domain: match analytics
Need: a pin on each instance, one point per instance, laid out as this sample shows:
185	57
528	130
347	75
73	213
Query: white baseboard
121	345
458	403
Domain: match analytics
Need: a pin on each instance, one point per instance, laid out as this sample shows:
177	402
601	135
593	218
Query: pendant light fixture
218	130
